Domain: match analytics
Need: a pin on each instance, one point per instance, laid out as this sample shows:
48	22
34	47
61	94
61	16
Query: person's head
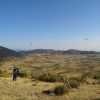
14	66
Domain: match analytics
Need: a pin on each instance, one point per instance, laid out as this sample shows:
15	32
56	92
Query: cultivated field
29	88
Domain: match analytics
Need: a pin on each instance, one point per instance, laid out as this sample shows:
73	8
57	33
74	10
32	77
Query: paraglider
87	40
31	44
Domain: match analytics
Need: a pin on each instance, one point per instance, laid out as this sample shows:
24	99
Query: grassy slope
66	65
26	89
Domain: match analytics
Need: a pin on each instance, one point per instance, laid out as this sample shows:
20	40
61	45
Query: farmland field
37	64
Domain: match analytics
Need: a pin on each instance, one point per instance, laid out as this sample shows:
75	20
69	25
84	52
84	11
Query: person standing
14	74
18	73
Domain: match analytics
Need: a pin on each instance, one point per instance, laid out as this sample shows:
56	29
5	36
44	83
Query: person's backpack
14	71
17	71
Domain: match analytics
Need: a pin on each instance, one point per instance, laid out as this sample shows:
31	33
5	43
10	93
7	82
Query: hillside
5	52
26	89
34	65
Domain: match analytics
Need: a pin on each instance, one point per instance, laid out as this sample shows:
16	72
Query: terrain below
27	89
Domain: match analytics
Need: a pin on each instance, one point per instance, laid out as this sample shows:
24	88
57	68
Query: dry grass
26	89
65	65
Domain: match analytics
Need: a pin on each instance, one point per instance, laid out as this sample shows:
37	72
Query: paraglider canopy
87	40
31	44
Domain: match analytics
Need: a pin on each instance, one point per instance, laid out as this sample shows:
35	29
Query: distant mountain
50	51
73	51
5	52
42	51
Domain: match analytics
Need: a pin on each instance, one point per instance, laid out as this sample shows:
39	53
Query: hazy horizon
50	49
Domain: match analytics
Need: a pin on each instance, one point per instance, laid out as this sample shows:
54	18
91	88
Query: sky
50	24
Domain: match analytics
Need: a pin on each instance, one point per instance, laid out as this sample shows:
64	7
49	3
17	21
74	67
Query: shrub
1	72
56	78
87	74
23	75
44	77
96	75
74	84
0	64
80	79
60	90
50	78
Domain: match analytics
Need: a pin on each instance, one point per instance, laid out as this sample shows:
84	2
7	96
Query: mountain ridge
51	51
5	52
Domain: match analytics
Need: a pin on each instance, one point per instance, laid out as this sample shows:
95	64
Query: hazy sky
50	24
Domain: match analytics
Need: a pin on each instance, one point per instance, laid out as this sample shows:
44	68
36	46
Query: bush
96	75
56	78
44	77
1	72
74	84
79	79
60	90
50	78
0	64
22	75
87	74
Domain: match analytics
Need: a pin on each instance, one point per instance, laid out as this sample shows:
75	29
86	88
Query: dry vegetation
34	65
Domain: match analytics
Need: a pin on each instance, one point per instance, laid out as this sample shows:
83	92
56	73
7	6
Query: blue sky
50	24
